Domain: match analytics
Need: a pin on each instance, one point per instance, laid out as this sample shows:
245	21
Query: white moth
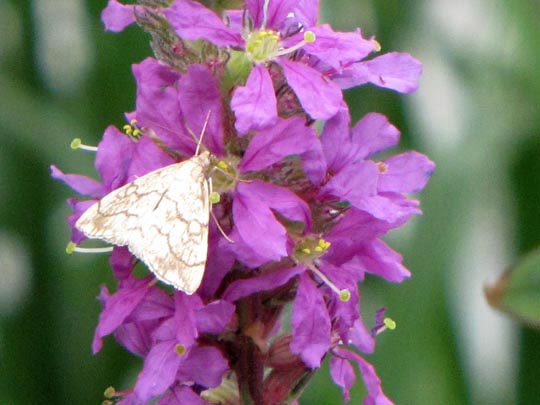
162	217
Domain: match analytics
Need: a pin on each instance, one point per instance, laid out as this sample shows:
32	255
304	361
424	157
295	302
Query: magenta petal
354	182
120	160
276	13
214	317
158	106
121	261
156	305
81	184
374	133
342	373
287	137
200	100
117	308
191	20
314	163
379	259
371	380
268	281
406	173
338	49
336	140
181	395
257	227
220	261
361	337
184	317
396	71
320	97
254	104
280	199
159	371
79	207
204	365
307	12
136	336
310	323
117	16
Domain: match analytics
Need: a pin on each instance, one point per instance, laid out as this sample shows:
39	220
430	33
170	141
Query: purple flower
278	32
255	201
175	107
365	184
117	16
343	375
300	214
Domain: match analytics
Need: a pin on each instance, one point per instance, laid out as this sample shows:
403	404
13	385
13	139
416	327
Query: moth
162	217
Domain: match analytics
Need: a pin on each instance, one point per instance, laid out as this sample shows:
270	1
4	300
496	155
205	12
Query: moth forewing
162	217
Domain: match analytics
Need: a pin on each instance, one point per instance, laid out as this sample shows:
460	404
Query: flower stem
249	367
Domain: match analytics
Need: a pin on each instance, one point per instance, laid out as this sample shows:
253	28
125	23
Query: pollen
70	248
110	392
322	246
223	165
132	130
180	349
262	46
309	37
215	198
390	323
344	295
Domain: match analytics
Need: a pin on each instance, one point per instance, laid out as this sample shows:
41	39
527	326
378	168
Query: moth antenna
203	131
220	228
214	217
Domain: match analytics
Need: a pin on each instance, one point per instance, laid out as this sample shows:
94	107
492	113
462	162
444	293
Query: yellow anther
390	323
309	36
126	127
70	248
76	143
318	249
344	295
110	392
377	45
222	165
180	349
307	251
215	198
136	133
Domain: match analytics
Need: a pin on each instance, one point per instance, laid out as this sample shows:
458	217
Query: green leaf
517	292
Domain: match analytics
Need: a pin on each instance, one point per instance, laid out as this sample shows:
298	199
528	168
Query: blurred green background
477	114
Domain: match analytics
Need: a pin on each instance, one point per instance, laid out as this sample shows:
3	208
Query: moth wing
162	218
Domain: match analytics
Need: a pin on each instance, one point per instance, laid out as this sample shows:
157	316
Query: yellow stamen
77	144
215	198
110	392
344	295
72	247
180	349
390	323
